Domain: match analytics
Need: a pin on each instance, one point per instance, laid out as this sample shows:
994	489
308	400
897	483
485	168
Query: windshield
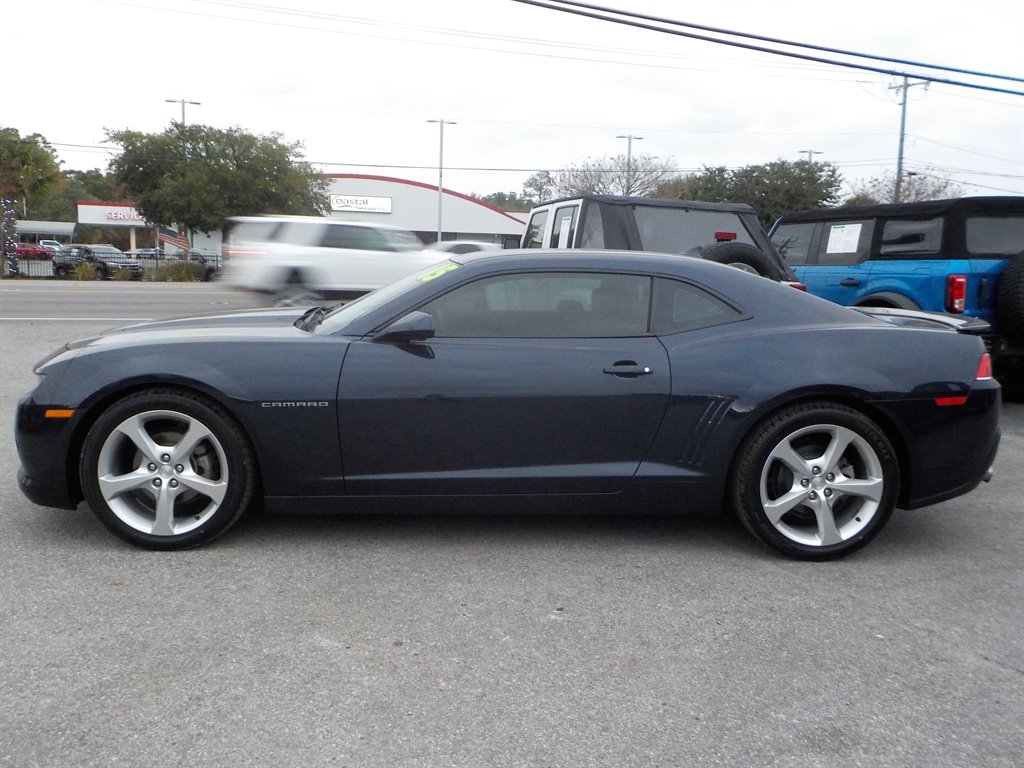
343	315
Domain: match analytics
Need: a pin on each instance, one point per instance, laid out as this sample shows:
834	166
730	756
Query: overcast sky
528	88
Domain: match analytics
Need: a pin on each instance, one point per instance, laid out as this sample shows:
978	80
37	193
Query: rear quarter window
992	235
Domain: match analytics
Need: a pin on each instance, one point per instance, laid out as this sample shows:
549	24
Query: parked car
963	256
727	233
591	378
301	259
32	251
53	245
148	253
205	264
107	260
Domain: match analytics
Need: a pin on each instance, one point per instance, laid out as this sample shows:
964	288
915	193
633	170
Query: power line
575	11
780	41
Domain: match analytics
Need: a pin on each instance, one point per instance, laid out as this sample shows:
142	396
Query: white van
303	259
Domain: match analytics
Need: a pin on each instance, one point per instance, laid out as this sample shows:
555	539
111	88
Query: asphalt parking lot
494	640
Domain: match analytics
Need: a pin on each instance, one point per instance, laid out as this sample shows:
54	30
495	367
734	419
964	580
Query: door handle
628	370
849	282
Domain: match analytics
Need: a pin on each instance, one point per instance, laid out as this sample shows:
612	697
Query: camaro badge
295	404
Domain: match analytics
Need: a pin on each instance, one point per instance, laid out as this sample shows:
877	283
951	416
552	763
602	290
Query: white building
417	207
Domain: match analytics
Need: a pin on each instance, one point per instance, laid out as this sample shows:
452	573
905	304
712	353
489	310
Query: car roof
992	204
655	202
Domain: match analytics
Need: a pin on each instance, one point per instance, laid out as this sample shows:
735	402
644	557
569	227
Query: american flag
168	236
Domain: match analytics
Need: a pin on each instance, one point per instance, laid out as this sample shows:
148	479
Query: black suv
105	258
728	233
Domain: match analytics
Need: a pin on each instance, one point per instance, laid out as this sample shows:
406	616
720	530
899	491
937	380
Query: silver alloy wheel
821	485
162	472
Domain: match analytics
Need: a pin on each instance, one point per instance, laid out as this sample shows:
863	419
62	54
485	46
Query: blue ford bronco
963	256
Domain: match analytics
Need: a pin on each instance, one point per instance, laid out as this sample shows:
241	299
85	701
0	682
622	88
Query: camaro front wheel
167	470
816	481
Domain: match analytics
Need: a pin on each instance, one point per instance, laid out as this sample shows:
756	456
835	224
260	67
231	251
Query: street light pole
183	102
630	138
440	170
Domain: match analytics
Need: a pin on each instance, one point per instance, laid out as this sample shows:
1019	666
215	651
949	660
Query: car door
837	263
533	383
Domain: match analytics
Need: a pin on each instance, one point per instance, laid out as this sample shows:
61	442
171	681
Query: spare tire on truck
1010	299
744	256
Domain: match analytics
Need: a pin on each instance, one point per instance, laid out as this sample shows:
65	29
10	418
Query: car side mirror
415	326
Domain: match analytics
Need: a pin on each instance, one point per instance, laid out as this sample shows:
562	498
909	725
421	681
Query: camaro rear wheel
816	481
167	470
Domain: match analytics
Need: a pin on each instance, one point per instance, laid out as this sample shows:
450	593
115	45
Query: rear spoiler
916	318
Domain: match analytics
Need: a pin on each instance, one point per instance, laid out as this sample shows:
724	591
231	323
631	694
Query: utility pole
440	171
183	102
810	154
630	138
903	130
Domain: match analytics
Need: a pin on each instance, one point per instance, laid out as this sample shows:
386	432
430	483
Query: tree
916	185
506	201
636	176
772	189
539	187
198	176
28	167
61	204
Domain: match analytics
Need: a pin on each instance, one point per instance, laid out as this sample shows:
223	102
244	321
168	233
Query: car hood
237	323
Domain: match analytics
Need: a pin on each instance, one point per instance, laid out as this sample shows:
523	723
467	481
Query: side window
535	230
793	241
564	231
362	238
846	242
680	306
592	228
545	305
909	236
992	235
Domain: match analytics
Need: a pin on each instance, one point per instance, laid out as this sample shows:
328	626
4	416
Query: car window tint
361	238
680	306
1003	235
793	241
548	305
253	231
846	242
674	230
535	231
906	236
592	227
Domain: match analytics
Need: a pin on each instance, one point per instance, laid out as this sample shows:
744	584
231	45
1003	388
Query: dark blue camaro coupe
520	377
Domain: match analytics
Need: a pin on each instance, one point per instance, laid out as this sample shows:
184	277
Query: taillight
724	237
956	293
984	368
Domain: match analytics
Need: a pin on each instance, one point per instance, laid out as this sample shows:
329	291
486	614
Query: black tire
150	487
295	293
743	256
60	271
796	491
1010	299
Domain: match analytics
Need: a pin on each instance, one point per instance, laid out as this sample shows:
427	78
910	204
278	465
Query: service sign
110	214
361	203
